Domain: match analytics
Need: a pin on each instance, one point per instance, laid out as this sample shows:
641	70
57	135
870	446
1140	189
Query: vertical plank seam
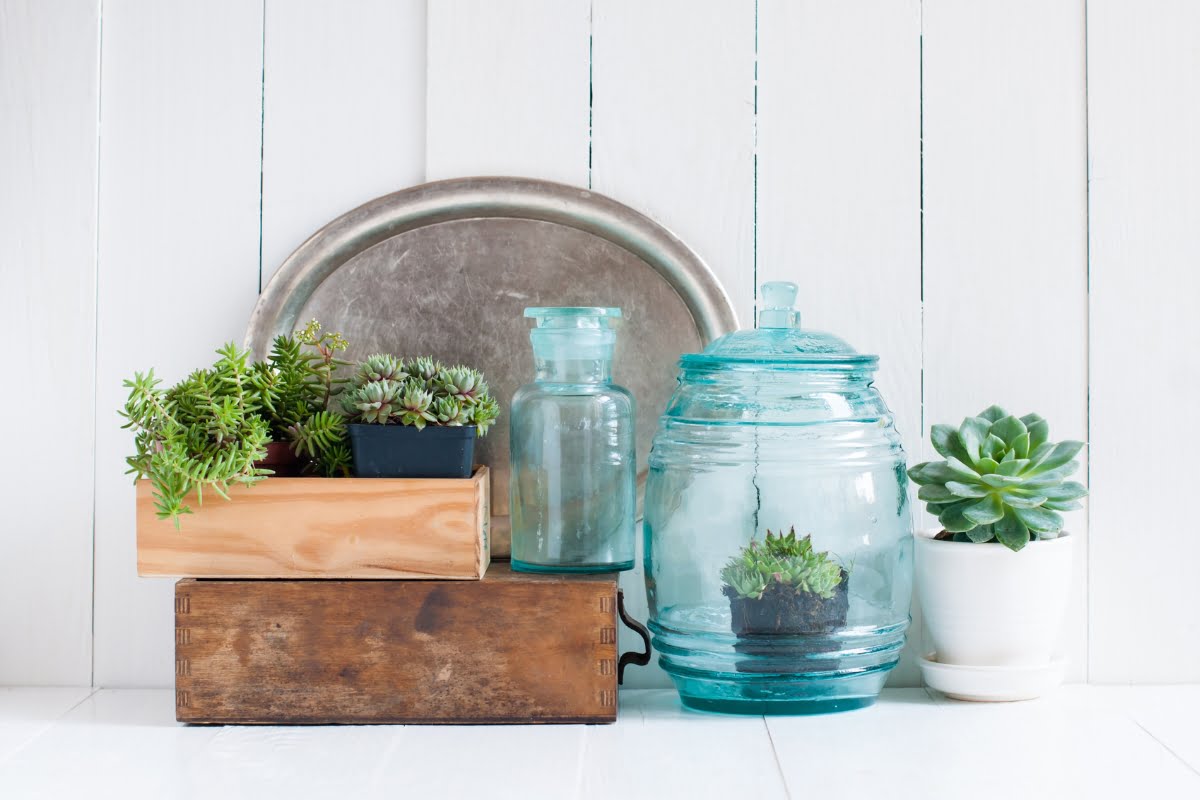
591	91
262	127
1087	414
96	333
920	635
754	189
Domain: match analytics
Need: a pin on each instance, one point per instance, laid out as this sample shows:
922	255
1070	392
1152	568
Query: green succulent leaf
1033	480
998	481
959	489
1020	446
936	493
993	414
1040	520
952	518
1012	467
1071	490
973	433
985	511
994	447
980	535
1011	532
1039	429
986	466
1023	501
1008	429
1059	455
1062	505
947	443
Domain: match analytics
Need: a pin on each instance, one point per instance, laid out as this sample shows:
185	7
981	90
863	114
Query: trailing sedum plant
208	431
781	561
387	390
1002	479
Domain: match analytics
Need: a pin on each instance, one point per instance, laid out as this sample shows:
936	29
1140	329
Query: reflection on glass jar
778	537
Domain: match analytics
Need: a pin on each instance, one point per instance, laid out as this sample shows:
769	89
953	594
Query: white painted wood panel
344	112
181	88
508	89
49	68
1005	234
673	136
839	180
1143	130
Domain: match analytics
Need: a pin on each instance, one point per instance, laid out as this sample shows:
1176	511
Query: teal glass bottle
573	481
774	430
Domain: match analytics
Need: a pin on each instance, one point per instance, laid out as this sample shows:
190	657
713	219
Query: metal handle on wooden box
640	659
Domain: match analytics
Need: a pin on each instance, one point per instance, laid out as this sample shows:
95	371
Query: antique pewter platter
447	268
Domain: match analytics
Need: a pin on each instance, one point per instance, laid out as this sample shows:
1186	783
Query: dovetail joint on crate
182	700
183	668
607	604
183	604
608	698
183	636
607	666
608	635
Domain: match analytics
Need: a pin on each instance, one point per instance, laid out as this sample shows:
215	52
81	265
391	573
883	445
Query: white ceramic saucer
991	684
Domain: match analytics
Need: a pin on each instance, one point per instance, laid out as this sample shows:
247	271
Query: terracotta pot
281	460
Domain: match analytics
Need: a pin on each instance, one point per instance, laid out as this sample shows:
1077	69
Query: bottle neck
572	370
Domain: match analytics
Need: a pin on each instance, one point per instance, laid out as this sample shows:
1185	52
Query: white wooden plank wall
343	107
1005	243
49	68
181	89
1144	124
159	159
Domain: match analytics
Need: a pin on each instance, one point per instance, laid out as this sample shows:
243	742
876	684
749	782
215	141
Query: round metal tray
446	269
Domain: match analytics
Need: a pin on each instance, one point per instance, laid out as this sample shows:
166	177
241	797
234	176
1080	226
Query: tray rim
281	300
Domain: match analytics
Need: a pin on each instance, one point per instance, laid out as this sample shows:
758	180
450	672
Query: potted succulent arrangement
225	430
415	418
238	422
783	587
994	581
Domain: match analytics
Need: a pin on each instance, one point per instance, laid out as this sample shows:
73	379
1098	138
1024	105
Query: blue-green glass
769	429
573	481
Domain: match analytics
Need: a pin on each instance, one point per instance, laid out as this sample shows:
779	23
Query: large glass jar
770	431
573	485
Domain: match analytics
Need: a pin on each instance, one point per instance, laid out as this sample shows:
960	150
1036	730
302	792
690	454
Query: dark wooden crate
511	648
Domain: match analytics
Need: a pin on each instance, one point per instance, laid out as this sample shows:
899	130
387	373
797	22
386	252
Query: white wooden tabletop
1086	742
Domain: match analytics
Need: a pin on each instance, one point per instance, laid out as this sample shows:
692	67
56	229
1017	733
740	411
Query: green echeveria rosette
419	391
1001	480
785	560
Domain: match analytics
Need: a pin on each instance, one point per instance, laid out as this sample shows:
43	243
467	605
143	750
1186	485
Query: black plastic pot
402	451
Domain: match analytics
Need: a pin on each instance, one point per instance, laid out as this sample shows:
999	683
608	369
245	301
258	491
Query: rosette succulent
1002	479
783	560
419	391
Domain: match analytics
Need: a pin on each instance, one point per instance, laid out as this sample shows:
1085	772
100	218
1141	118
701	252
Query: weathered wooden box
325	528
511	648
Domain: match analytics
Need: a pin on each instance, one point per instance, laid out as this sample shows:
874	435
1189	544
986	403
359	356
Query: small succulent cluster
1002	479
387	390
784	560
208	431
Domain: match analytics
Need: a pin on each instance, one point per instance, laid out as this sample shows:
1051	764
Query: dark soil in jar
783	612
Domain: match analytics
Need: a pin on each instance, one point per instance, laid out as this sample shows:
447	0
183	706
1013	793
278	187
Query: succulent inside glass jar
778	534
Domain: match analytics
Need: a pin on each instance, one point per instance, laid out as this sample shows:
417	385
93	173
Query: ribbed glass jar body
573	482
746	447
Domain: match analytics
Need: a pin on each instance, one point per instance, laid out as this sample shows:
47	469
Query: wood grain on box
325	528
511	648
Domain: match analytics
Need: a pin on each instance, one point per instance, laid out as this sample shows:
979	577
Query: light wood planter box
324	528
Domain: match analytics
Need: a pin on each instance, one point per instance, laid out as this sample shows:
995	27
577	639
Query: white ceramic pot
986	606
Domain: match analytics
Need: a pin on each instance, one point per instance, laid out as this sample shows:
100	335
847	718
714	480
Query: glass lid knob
778	302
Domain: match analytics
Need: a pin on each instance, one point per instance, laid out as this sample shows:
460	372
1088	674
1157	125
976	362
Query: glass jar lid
779	341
